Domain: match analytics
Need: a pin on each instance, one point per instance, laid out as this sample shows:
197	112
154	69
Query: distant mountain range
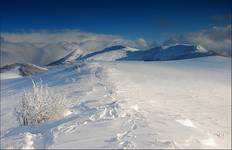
119	52
175	52
44	54
114	53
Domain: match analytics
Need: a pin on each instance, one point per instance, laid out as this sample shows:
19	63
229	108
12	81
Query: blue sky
148	19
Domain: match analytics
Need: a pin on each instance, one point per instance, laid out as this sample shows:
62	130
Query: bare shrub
40	104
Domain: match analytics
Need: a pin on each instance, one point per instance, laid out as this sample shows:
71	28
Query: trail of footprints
107	111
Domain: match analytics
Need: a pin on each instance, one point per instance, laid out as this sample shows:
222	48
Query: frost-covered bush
40	104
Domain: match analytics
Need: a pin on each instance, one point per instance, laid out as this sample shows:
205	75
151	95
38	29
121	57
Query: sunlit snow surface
136	104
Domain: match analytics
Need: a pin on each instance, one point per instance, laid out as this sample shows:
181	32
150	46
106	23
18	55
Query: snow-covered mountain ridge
119	52
174	52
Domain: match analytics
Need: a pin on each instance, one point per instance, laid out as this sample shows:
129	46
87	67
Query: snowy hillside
71	57
119	52
108	54
61	52
19	70
128	104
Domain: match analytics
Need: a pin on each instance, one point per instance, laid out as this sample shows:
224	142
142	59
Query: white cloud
87	40
141	42
217	39
42	47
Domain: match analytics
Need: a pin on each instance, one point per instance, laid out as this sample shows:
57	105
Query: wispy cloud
42	47
87	40
216	38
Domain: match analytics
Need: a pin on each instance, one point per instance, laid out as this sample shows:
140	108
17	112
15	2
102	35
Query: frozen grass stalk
39	105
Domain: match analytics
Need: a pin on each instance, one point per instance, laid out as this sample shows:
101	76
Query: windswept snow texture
128	104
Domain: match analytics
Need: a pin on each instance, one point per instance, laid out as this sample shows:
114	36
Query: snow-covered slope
119	52
175	52
108	54
128	104
61	52
19	69
71	57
